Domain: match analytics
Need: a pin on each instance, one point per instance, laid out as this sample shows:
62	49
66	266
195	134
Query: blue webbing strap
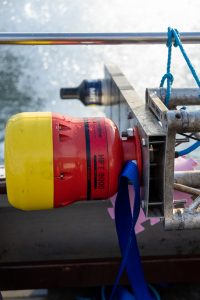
125	226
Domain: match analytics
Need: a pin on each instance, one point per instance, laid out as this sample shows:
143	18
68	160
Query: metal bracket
173	122
158	126
153	137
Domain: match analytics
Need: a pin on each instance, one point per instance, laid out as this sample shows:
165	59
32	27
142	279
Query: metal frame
151	133
175	121
158	126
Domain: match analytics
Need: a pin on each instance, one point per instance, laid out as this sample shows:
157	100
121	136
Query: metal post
93	38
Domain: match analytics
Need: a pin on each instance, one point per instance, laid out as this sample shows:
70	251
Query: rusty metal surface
99	273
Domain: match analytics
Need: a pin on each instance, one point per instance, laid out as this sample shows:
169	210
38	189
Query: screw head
178	116
130	115
142	204
124	134
130	132
143	142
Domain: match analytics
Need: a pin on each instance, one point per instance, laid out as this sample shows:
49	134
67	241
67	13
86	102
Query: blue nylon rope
180	45
168	76
174	38
125	226
189	149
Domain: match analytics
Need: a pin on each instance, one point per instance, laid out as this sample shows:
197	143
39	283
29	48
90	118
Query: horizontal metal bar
189	178
99	272
184	121
93	38
178	97
183	220
186	189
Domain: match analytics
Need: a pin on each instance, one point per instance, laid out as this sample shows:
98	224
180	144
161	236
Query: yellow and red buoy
53	160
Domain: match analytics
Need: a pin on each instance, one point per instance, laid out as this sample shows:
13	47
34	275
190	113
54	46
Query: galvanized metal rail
93	38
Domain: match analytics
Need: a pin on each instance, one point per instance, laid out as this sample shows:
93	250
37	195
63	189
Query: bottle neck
89	92
69	93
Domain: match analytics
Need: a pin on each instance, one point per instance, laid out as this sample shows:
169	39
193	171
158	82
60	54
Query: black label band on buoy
88	158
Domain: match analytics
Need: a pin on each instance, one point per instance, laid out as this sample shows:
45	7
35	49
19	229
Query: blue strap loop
125	226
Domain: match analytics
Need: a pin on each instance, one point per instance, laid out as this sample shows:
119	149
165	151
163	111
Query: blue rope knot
170	80
176	37
170	37
167	76
173	38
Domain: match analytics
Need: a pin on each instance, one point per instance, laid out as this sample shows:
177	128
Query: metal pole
186	96
189	178
186	189
93	38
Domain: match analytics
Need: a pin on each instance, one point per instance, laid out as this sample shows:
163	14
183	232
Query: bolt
130	132
130	115
178	116
183	107
143	204
144	142
124	134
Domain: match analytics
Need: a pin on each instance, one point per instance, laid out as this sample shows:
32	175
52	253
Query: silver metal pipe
93	38
179	97
184	121
186	189
189	178
194	205
188	218
183	220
